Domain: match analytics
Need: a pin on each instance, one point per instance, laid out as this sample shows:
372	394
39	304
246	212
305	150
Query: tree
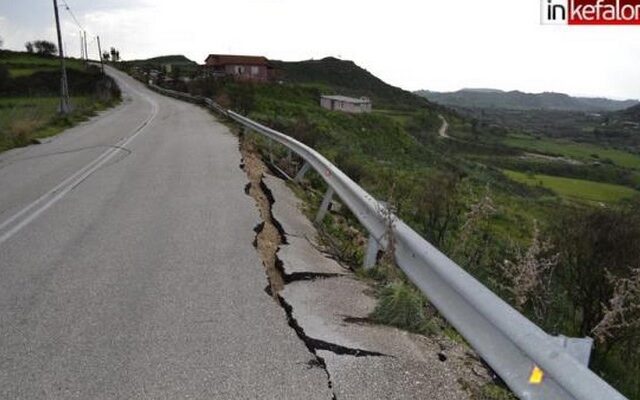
598	247
474	245
105	56
622	312
439	206
42	47
45	48
528	278
1	41
242	98
115	54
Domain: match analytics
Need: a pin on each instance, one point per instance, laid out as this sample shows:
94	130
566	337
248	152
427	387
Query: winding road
127	268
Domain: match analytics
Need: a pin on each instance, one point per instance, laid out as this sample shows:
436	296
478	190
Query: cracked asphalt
127	268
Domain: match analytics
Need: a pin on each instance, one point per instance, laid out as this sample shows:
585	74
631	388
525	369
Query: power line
66	6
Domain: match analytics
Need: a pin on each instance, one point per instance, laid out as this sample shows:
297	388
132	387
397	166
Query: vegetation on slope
631	114
180	65
29	96
334	76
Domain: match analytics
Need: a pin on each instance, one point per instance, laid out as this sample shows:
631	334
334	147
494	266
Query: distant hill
630	114
178	60
336	76
515	100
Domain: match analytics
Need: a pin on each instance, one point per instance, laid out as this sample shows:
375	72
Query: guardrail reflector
536	376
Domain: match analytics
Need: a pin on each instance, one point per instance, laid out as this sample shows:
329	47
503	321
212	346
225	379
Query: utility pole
86	52
100	54
81	47
65	106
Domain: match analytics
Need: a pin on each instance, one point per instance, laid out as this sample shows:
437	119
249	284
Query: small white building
346	104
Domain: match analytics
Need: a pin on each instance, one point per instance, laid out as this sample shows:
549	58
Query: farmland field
576	189
579	151
17	72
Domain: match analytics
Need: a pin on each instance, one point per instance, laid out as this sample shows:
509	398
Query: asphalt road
127	268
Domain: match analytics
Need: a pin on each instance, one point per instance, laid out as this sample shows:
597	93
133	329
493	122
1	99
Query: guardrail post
579	348
371	256
324	206
270	147
303	170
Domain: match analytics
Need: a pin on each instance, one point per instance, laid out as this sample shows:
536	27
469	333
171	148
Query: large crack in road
269	237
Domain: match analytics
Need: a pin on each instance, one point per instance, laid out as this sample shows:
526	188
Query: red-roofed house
245	68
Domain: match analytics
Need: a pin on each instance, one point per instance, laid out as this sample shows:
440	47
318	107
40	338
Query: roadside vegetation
552	227
29	95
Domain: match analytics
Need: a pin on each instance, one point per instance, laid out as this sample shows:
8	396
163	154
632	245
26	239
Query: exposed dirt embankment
269	236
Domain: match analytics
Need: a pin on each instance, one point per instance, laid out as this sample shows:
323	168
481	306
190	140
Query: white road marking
58	192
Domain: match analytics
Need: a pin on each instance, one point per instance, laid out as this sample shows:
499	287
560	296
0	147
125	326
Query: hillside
630	114
178	60
516	100
336	76
29	90
179	63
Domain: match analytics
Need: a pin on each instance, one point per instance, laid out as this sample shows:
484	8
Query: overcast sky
438	45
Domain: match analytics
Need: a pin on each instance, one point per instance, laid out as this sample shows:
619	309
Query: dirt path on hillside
444	128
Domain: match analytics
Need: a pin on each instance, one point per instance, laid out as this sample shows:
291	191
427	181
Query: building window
255	70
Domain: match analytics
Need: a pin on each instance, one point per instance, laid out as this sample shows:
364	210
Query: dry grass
21	119
623	310
19	131
528	277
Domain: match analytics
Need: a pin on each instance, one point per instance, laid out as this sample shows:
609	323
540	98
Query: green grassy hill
180	63
630	114
334	76
178	60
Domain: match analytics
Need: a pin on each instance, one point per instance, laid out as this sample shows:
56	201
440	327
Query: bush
45	47
19	130
401	306
350	165
242	98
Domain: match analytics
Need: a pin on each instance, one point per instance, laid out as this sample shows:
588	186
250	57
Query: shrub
42	47
401	306
19	130
242	98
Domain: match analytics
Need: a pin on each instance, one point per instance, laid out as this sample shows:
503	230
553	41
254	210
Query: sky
442	45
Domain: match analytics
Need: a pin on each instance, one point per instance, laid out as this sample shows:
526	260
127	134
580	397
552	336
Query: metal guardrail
532	363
